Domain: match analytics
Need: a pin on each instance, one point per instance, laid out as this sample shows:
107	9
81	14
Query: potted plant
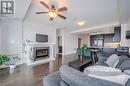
85	46
4	59
13	61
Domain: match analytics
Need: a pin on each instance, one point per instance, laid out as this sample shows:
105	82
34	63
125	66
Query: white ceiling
94	12
21	8
124	10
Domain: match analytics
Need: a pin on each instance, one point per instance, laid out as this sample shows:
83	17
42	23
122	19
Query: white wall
86	39
15	32
31	28
70	42
125	20
0	37
124	28
59	33
11	37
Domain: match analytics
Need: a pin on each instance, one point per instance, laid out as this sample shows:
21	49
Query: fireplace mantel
40	44
29	53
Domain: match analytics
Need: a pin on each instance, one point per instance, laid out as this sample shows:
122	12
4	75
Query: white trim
40	44
68	53
40	62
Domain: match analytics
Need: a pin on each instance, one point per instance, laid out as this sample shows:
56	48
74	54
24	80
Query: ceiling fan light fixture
52	11
52	14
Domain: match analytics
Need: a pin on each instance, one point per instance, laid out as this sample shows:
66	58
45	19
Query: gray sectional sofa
68	76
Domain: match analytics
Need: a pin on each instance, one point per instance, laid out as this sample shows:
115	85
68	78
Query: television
41	38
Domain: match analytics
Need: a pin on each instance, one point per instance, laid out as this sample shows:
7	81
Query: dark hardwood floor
28	75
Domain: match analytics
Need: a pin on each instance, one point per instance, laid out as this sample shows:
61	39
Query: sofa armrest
76	78
52	79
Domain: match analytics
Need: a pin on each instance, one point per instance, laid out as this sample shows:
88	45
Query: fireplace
41	53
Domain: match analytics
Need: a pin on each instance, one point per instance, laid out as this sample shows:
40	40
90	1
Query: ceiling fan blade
45	4
51	18
41	12
63	17
62	9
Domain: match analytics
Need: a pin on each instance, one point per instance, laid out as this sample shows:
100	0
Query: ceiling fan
52	11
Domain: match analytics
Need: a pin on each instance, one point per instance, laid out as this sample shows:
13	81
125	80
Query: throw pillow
112	60
115	65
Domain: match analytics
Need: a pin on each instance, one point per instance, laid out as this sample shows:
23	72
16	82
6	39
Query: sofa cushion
127	72
122	59
112	60
125	65
76	78
128	83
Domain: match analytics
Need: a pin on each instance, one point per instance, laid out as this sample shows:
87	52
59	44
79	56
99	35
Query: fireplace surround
44	48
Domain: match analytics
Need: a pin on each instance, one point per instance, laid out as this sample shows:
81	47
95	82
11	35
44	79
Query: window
7	7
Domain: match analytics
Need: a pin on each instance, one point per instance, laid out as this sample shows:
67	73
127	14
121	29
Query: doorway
79	42
60	44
